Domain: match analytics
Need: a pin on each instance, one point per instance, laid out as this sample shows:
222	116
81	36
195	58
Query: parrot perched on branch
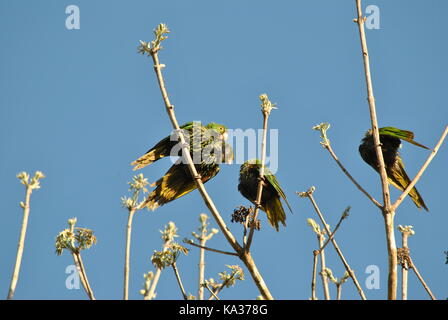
390	139
199	137
271	194
208	150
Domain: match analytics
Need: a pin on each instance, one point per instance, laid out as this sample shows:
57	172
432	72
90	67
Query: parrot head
220	129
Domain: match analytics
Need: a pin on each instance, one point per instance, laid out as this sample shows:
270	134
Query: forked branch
323	127
309	194
421	171
152	48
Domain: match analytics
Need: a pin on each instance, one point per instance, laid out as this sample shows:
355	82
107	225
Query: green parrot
200	137
390	143
270	197
178	181
207	142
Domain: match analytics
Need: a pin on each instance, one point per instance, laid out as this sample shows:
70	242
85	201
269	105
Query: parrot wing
404	135
398	177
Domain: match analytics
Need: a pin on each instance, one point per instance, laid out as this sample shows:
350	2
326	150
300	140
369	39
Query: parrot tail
173	185
399	178
275	212
160	150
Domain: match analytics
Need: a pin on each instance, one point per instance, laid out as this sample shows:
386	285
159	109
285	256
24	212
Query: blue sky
80	105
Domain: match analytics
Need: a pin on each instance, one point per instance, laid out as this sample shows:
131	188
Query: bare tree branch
211	249
128	254
421	171
30	185
372	108
387	211
344	215
309	194
323	127
313	279
83	275
406	263
21	245
179	281
323	266
266	112
419	276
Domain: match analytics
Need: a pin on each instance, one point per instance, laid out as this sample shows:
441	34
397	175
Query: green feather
272	192
209	136
398	177
273	181
401	134
178	181
207	149
390	138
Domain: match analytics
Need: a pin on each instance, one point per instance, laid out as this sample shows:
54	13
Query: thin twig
405	233
219	289
151	292
404	283
344	215
80	273
213	294
419	276
406	263
228	280
79	264
201	270
323	266
320	235
21	245
333	155
203	237
83	275
309	195
421	171
75	240
179	281
148	280
260	182
128	254
339	291
211	249
313	279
